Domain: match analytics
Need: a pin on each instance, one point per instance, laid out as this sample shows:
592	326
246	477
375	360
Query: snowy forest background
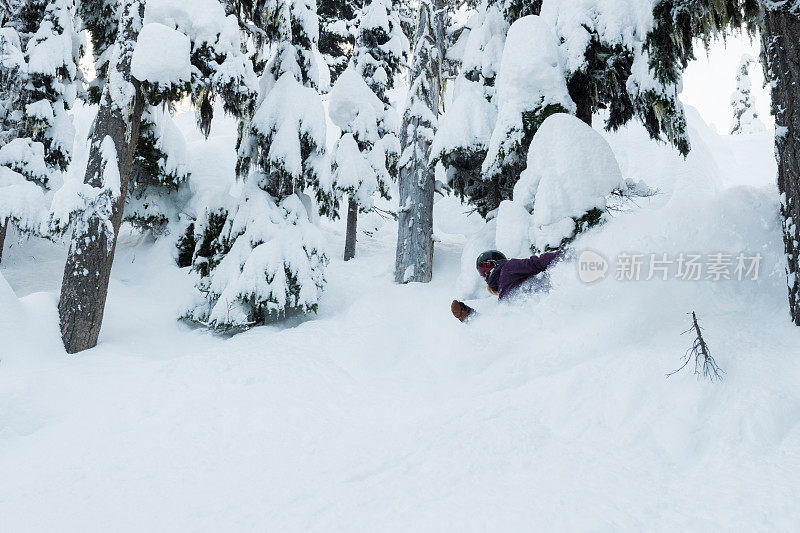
249	217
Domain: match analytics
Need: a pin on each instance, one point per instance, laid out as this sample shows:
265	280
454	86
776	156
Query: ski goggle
485	268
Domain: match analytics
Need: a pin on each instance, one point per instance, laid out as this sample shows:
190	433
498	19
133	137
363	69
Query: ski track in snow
383	413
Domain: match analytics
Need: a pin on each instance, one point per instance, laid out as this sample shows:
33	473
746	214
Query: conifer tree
361	154
7	9
157	192
365	115
14	208
100	20
268	260
40	53
745	116
338	22
462	141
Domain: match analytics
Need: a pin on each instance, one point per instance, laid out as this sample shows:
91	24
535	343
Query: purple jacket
508	276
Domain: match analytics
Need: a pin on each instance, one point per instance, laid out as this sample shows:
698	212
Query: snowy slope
386	414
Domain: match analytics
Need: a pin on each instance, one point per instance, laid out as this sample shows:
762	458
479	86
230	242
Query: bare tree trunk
781	45
3	229
414	260
86	274
352	229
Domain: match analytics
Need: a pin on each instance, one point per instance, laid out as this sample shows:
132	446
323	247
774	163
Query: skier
505	277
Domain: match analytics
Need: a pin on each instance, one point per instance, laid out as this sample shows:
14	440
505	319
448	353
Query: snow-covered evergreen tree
7	9
462	140
270	259
361	154
414	259
608	66
380	46
530	86
40	50
338	22
365	159
745	116
100	18
52	84
157	192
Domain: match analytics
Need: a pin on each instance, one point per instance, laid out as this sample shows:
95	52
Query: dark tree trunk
494	197
3	229
414	258
86	274
352	229
578	88
781	45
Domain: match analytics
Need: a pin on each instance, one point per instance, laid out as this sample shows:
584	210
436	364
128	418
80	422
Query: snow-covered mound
352	105
161	56
11	310
20	200
571	169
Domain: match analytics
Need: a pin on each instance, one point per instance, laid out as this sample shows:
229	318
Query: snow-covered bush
274	266
745	116
570	175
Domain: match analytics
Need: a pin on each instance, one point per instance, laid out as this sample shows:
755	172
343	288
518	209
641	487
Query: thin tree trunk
352	229
578	88
414	259
86	274
781	44
3	229
494	197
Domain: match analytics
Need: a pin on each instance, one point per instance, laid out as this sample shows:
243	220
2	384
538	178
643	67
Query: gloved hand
461	311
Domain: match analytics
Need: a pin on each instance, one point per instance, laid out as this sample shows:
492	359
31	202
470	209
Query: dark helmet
488	260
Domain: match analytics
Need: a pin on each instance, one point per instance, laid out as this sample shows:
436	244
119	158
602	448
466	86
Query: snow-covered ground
384	413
